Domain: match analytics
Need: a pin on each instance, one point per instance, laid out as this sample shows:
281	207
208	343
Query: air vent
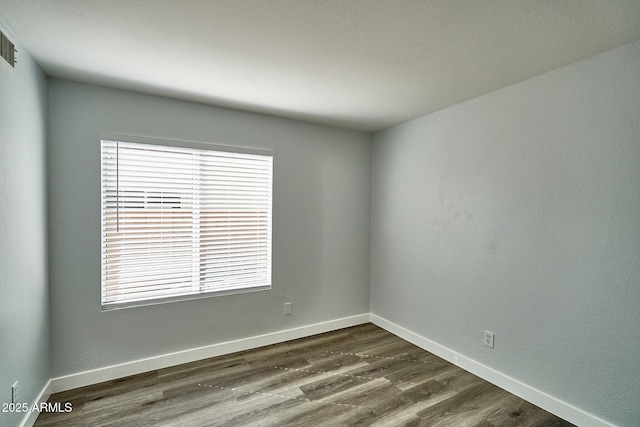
7	50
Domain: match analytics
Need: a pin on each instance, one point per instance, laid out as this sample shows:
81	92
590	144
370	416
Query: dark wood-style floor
356	376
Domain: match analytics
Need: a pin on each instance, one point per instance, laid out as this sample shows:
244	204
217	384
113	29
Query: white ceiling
357	64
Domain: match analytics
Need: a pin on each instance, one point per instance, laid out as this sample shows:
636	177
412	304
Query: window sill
187	297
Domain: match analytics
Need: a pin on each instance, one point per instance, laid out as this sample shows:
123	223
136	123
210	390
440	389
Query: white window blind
180	222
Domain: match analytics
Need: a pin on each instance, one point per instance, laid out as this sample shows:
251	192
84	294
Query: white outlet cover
489	339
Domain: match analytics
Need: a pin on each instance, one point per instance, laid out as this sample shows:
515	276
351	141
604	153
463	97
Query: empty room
320	213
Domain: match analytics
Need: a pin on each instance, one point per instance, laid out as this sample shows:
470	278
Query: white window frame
201	287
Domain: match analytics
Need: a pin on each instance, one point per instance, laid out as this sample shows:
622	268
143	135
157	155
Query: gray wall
320	227
24	305
519	212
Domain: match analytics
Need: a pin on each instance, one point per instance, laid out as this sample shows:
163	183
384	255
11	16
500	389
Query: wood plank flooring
358	376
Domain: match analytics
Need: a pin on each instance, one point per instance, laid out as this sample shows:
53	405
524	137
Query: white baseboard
108	373
539	398
42	397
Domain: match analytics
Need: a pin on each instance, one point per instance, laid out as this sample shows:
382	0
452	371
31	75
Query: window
181	222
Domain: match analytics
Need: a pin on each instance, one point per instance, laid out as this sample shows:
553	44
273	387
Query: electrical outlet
488	339
287	308
14	392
